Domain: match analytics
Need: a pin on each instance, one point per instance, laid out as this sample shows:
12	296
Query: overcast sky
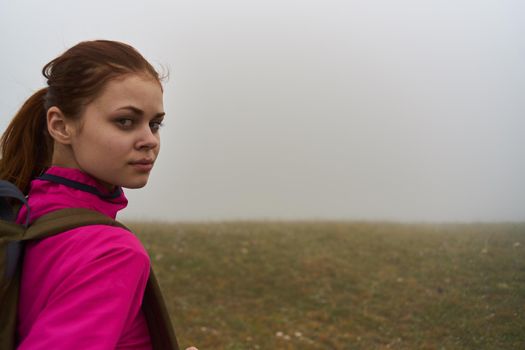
279	109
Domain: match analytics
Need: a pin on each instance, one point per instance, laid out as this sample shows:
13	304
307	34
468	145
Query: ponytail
26	146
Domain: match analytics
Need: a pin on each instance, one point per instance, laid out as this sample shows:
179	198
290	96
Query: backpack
12	238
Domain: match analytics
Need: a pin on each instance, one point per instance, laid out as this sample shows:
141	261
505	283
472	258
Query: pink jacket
81	289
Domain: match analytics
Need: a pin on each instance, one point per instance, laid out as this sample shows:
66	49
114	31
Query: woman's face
117	139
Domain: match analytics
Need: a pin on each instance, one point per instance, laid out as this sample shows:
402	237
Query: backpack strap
160	328
10	195
67	219
154	308
8	190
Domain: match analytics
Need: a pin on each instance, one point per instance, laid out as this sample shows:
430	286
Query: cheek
101	146
115	143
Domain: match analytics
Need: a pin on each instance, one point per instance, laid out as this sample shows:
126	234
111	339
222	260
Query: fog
357	110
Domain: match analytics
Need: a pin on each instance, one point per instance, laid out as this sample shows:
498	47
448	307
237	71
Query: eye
124	123
156	125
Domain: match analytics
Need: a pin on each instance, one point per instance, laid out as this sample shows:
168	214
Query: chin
135	184
134	187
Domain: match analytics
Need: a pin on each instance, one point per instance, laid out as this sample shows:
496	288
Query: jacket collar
46	196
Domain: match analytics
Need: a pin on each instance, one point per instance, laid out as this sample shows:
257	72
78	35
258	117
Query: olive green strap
67	219
159	323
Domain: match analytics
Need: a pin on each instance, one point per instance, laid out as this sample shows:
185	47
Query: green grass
316	285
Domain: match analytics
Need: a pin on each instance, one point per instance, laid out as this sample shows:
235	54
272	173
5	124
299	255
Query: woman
75	143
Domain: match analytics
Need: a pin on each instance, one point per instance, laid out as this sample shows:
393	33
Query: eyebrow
140	111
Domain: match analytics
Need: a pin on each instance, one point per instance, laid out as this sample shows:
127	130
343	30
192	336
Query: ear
59	127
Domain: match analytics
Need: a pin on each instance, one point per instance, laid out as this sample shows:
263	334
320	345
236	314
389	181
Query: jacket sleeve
92	303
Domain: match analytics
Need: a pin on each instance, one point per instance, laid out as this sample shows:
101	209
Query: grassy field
316	285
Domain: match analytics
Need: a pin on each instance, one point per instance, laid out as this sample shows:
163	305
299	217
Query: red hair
74	79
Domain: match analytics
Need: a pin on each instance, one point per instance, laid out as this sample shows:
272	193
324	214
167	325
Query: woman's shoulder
101	252
99	236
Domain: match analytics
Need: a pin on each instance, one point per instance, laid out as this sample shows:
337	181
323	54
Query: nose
147	139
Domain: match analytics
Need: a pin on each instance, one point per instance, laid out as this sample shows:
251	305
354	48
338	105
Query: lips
143	161
143	164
